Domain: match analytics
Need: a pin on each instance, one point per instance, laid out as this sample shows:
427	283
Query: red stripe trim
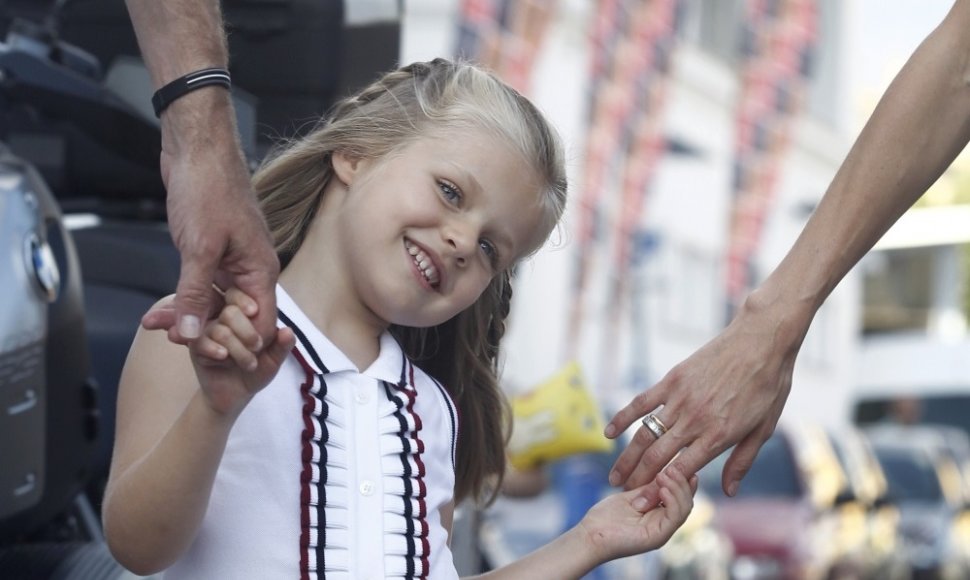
412	395
306	474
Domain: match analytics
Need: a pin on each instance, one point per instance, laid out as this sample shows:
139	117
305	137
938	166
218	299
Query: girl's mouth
424	264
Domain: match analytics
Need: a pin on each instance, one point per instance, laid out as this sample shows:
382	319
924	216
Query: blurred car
782	521
864	502
924	482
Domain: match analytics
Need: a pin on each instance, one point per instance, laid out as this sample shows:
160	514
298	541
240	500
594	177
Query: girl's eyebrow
466	176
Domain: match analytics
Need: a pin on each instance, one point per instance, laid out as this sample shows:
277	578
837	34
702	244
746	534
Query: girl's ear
345	166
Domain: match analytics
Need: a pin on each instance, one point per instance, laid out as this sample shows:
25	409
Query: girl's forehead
477	148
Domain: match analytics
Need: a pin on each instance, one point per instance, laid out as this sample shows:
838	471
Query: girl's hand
230	359
614	528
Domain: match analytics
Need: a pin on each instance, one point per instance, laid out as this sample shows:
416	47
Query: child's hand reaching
614	528
230	359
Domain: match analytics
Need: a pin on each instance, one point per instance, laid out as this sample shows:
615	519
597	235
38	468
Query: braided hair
399	108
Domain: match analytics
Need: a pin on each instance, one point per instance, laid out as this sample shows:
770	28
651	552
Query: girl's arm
170	437
613	528
168	444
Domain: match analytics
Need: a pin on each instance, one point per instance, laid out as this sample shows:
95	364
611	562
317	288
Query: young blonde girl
340	449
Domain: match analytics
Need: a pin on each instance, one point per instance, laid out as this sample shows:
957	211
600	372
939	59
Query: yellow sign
558	417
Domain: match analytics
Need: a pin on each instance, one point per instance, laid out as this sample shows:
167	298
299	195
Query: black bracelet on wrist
164	96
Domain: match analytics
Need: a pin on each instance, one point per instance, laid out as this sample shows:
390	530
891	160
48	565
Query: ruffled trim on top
325	493
406	546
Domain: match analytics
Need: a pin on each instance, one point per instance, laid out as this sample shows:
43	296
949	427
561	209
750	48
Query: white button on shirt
367	488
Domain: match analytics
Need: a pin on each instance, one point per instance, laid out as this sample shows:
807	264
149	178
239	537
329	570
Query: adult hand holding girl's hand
214	218
230	359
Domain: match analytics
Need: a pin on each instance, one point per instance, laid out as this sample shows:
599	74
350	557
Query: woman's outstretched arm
732	390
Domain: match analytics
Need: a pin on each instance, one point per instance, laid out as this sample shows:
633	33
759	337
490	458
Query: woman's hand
730	392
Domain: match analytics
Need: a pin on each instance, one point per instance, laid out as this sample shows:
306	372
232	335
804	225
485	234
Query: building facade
675	295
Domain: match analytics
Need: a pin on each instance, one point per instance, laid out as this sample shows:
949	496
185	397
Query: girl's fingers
241	300
225	336
208	348
241	326
683	488
677	493
671	503
281	347
678	506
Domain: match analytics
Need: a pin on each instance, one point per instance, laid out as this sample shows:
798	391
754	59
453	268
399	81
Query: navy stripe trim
453	415
303	340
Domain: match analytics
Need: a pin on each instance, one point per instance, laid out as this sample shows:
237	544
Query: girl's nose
461	243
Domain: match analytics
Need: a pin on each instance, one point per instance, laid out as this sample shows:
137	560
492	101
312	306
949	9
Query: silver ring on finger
654	425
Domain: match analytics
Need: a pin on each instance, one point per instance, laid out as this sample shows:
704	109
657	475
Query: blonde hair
401	107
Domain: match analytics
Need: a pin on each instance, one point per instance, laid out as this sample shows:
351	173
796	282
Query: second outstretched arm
611	529
732	390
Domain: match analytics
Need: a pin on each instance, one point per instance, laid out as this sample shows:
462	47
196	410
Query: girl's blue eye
490	250
449	191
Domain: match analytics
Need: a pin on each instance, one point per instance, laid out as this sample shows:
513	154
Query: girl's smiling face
424	230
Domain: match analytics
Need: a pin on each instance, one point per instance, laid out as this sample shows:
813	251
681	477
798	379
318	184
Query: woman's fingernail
640	504
259	343
732	488
610	430
614	478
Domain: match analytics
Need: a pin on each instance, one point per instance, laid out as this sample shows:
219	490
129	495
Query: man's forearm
919	126
177	37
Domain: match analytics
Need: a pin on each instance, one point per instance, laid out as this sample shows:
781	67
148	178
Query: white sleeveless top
332	473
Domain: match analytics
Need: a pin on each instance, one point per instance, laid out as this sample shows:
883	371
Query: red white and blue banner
778	44
505	35
632	43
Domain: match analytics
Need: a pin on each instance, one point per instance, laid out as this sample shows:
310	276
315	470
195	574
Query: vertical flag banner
632	42
778	43
505	35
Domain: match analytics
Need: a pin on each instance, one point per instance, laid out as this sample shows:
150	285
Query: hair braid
496	326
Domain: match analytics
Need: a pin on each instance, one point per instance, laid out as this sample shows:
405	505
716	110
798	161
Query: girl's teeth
423	263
